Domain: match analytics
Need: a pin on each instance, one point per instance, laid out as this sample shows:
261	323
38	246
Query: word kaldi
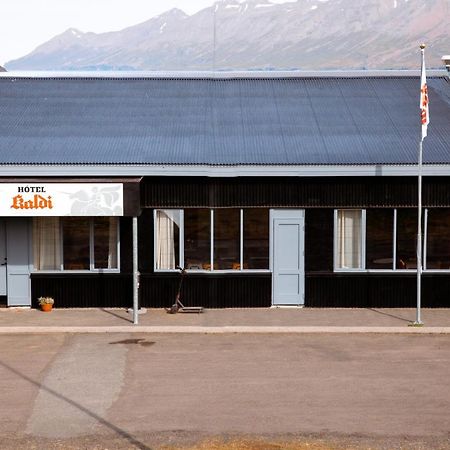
37	202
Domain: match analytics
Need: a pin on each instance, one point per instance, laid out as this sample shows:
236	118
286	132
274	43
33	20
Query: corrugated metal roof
300	120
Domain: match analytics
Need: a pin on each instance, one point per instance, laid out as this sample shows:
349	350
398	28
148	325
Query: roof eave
188	170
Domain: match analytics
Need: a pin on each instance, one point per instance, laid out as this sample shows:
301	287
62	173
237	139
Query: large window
349	251
386	239
437	245
212	240
406	237
197	239
168	225
75	243
227	230
256	239
379	238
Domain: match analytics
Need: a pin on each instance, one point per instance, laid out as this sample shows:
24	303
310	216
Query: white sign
61	199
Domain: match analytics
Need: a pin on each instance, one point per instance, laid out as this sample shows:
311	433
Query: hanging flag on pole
425	120
424	111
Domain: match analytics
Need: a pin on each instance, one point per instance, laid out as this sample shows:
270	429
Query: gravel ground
224	392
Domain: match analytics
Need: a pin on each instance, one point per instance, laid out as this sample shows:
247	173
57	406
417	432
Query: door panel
288	257
18	267
2	258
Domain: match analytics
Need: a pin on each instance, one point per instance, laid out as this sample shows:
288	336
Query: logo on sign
35	202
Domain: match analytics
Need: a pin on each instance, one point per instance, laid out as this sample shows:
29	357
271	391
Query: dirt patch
249	444
182	440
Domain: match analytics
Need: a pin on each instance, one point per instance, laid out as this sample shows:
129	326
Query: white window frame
394	244
92	268
181	245
362	242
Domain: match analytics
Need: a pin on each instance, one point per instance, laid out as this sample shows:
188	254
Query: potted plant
46	303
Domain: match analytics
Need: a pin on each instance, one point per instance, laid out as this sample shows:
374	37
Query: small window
47	243
105	243
227	239
168	224
256	239
76	232
75	243
379	238
438	239
197	239
406	239
349	238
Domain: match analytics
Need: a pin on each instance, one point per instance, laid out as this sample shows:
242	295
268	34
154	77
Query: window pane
197	239
227	239
46	243
349	239
76	243
406	239
167	238
256	239
379	238
105	243
438	239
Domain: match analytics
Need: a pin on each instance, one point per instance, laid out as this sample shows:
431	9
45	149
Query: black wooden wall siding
375	291
79	290
156	291
210	291
333	192
241	291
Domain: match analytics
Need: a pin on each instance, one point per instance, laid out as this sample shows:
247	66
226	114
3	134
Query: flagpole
419	239
419	212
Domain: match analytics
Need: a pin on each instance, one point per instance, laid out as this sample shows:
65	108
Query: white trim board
250	170
221	75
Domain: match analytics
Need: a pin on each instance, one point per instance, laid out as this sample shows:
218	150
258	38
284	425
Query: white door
18	267
288	257
2	258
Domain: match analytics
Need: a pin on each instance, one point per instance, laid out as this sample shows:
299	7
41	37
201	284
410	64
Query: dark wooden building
276	189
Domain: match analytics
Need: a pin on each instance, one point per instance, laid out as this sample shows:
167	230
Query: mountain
2	69
258	34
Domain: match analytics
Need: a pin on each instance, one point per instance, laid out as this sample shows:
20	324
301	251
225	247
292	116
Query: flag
424	111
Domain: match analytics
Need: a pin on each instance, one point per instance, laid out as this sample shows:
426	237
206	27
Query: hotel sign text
61	199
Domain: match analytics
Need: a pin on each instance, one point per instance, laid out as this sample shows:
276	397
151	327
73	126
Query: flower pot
46	307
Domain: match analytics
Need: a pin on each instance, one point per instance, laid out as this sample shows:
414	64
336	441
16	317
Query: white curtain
46	243
166	221
349	239
112	243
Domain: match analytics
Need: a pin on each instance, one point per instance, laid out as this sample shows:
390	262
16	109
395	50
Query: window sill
216	272
436	271
55	272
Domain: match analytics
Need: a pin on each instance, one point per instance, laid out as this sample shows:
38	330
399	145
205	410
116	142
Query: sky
25	24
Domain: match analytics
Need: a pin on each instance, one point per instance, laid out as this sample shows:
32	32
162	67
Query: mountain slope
257	34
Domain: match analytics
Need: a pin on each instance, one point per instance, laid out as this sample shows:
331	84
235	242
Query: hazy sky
25	24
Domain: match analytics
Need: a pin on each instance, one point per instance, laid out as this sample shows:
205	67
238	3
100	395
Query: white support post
135	273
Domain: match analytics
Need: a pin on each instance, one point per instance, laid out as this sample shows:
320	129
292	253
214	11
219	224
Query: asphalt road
144	391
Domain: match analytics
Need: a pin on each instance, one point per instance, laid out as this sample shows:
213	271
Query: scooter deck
191	309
